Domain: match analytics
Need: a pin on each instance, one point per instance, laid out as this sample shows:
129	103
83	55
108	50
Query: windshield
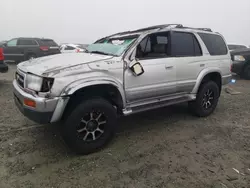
114	47
235	47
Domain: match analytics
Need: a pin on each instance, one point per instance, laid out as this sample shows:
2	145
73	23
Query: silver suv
123	74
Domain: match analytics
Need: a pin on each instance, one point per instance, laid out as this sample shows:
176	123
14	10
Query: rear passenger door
187	56
28	47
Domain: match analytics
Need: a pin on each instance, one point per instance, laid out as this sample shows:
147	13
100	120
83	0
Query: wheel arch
106	89
208	74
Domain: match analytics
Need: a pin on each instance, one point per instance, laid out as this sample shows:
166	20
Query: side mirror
136	68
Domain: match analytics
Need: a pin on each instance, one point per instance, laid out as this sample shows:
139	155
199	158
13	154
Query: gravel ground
161	148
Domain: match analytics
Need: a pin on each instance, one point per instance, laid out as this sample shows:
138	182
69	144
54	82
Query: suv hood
52	63
240	51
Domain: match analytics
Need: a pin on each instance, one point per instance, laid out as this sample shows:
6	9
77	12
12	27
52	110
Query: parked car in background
237	46
71	48
123	74
21	49
3	66
241	62
2	42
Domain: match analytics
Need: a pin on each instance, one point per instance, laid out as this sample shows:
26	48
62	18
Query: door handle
202	65
168	67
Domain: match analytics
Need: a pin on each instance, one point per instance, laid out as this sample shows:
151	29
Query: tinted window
162	39
182	44
12	42
153	46
69	48
145	45
27	42
48	43
214	43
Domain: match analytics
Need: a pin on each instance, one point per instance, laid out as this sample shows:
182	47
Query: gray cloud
84	21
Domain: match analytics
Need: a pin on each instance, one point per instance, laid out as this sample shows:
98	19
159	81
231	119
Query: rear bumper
226	79
3	67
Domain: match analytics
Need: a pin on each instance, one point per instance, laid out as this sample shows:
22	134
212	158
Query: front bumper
237	67
44	110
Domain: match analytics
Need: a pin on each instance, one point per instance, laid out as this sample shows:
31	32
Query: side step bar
160	103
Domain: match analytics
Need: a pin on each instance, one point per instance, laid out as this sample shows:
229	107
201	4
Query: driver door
159	77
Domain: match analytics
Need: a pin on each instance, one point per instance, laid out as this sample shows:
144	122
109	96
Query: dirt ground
167	147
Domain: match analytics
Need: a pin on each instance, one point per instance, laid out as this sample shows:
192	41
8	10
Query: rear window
48	43
26	42
214	43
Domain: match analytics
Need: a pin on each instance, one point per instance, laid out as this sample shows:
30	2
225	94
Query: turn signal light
30	103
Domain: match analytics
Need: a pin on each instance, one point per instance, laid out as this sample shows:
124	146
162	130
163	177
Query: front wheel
90	126
206	99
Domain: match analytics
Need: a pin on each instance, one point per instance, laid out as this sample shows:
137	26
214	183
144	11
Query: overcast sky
83	21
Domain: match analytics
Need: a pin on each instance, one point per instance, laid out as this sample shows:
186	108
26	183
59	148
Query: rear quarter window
214	43
48	43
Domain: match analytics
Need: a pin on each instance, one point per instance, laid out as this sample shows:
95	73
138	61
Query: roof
34	38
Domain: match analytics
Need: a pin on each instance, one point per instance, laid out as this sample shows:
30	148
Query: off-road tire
70	128
196	106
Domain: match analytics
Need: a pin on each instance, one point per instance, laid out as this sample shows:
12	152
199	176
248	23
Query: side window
12	42
182	44
153	46
214	43
69	48
27	42
162	39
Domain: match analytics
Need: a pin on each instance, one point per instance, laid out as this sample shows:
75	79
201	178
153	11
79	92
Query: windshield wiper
98	52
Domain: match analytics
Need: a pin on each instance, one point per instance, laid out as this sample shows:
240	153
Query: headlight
239	58
34	82
47	84
37	83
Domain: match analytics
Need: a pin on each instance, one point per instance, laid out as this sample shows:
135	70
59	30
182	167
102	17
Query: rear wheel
246	72
90	126
206	99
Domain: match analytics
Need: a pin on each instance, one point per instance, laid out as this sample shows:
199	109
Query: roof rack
140	30
203	29
151	28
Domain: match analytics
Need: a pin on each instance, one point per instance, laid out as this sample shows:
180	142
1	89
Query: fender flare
202	74
79	84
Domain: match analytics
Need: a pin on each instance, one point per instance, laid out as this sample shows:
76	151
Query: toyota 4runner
123	74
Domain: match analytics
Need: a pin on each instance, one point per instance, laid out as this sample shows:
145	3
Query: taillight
1	54
44	48
77	50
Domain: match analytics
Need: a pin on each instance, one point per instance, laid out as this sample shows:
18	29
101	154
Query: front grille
20	79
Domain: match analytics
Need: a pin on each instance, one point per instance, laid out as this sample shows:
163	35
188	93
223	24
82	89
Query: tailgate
53	47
